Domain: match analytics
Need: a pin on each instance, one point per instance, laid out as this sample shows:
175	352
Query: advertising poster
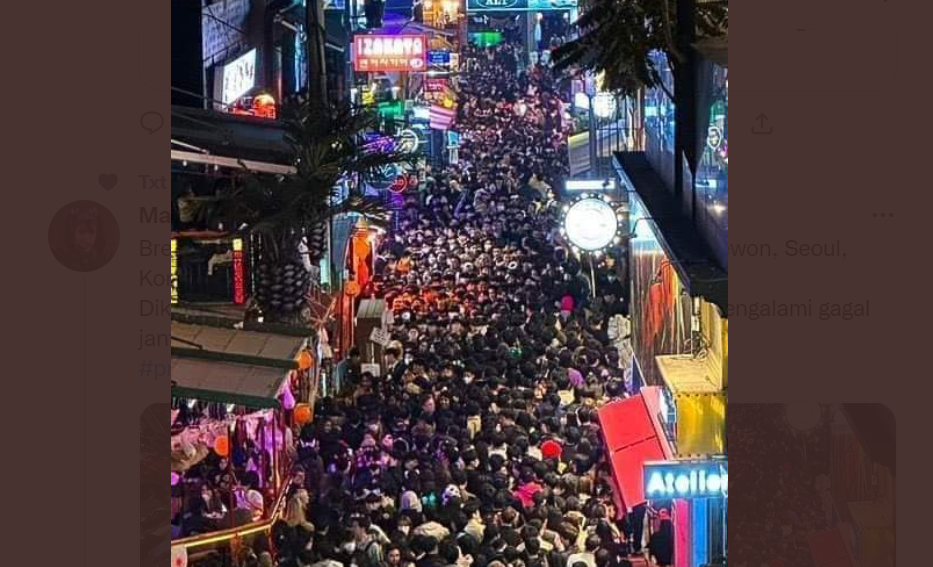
661	321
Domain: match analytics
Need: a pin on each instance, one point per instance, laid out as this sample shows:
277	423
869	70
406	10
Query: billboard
519	5
403	52
236	78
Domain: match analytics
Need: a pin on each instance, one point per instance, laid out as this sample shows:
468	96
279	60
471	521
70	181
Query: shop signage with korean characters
404	52
440	58
687	480
379	336
435	85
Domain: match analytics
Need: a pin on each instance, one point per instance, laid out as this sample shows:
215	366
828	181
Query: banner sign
435	85
439	58
666	480
519	5
389	53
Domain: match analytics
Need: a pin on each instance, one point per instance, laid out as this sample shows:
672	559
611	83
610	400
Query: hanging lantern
222	446
175	478
305	360
302	414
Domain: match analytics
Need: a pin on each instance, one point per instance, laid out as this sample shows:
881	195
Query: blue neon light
699	511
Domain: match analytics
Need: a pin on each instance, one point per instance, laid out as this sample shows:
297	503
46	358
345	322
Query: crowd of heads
778	477
479	444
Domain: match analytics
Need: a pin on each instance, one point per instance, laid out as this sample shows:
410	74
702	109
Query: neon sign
173	273
389	53
686	479
239	279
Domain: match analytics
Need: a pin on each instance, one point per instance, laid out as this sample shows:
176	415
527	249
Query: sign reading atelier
686	479
389	53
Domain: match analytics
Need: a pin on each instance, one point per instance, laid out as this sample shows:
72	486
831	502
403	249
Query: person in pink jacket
566	306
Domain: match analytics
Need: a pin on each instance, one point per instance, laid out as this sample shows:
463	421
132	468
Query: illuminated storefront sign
407	141
686	479
389	53
590	224
394	109
435	85
439	58
519	5
239	276
235	79
590	185
173	271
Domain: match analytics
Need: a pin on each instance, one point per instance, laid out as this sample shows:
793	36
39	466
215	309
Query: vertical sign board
173	273
239	276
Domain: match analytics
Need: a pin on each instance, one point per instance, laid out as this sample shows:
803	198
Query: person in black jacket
661	544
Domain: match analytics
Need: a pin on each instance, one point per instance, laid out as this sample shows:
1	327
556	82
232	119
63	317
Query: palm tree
285	211
617	36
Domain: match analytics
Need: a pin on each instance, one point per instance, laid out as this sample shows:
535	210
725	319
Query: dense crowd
778	471
479	444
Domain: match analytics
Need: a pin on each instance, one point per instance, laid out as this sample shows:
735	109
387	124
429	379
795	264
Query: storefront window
659	122
712	179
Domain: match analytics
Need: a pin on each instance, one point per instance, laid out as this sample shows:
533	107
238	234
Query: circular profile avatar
84	236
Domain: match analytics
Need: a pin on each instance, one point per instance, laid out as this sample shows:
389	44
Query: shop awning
701	404
235	345
633	435
828	549
211	380
678	236
218	138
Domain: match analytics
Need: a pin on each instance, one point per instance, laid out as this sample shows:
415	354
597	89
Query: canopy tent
633	435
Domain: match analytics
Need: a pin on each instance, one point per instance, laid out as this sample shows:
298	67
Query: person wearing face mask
401	537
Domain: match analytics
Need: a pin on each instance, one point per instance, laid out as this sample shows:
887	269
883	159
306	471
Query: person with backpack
368	549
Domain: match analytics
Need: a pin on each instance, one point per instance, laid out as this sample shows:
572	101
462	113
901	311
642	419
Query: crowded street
471	394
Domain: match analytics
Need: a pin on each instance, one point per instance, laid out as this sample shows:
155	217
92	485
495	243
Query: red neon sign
405	52
239	277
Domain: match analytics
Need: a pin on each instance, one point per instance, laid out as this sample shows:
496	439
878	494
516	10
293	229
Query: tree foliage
327	145
617	36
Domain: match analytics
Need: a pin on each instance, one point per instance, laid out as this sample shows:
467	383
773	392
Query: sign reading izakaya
389	53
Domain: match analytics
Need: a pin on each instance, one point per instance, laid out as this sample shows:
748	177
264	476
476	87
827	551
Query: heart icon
107	180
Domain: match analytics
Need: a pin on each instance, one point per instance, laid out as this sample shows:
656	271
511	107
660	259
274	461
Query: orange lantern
222	446
352	288
305	360
302	414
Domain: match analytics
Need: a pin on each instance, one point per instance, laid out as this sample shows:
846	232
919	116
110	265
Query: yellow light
173	272
237	244
228	535
265	99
